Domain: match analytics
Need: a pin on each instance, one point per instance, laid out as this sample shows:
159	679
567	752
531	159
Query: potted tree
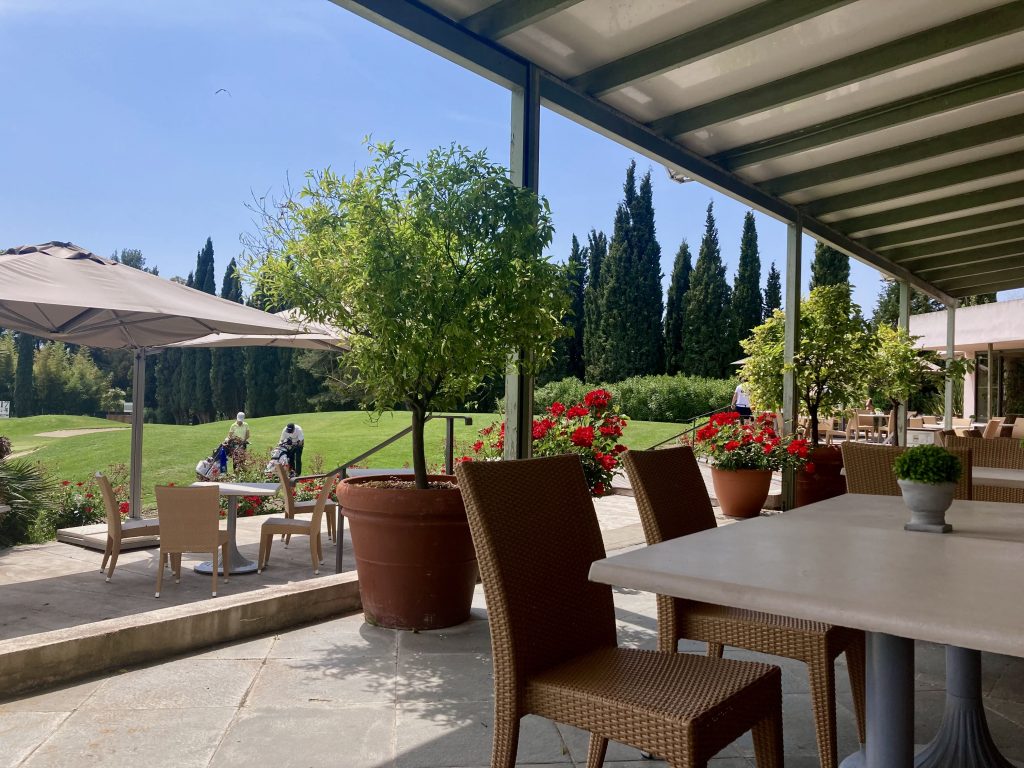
436	269
927	475
835	350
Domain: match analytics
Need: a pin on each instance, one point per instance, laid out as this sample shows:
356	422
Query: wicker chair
553	633
673	502
869	469
992	452
293	507
117	529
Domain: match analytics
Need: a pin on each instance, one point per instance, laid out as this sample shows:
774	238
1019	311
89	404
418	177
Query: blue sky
114	135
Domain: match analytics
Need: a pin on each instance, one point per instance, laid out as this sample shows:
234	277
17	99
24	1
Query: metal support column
525	167
790	397
904	323
989	410
138	412
947	419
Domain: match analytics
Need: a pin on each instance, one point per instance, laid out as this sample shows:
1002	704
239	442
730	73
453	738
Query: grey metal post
525	167
990	411
947	419
904	323
890	701
790	397
138	408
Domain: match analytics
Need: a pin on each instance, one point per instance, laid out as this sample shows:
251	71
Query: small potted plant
743	457
927	475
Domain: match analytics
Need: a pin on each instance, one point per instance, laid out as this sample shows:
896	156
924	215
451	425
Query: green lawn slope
170	452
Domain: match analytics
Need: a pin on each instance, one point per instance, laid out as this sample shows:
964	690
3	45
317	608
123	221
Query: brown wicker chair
869	469
553	633
992	452
117	529
673	502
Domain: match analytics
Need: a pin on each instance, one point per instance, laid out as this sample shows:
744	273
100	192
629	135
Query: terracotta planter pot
826	481
741	492
414	554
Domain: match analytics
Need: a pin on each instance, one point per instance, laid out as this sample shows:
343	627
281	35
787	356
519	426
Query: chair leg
261	557
319	547
114	552
768	740
176	566
225	561
506	739
596	751
270	545
822	673
160	574
855	666
715	650
213	574
106	554
313	553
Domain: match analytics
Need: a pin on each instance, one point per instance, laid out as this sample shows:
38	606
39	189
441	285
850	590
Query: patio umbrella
63	292
307	335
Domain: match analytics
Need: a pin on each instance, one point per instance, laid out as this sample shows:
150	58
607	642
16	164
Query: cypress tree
24	389
577	274
597	252
675	309
747	307
707	327
615	301
649	342
772	292
829	267
227	366
202	398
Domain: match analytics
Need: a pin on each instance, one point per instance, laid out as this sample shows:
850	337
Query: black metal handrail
694	424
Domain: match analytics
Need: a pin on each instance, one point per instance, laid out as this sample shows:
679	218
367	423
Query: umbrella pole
138	409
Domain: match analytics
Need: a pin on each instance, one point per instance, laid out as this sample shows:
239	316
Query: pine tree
675	309
227	366
577	274
707	327
631	303
981	298
597	252
24	388
887	310
747	307
772	292
829	267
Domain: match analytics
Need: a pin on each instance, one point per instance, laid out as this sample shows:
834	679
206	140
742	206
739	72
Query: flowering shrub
81	503
309	490
590	429
732	445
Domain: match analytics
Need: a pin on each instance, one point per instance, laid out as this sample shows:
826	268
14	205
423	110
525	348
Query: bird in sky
222	90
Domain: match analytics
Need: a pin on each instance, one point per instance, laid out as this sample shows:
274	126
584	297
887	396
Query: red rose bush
728	444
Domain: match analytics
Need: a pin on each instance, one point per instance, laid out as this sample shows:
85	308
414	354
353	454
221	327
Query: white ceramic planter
928	504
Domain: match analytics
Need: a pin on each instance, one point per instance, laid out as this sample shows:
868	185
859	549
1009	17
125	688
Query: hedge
647	398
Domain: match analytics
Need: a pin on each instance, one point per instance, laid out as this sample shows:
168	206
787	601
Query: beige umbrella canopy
63	292
309	335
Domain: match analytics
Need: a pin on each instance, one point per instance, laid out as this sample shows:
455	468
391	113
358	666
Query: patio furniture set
188	522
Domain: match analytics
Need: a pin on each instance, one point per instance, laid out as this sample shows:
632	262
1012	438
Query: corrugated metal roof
893	130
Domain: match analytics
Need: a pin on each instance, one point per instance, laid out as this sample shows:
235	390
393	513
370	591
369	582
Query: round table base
207	568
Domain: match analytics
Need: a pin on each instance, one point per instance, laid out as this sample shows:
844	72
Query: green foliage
675	309
747	306
8	362
834	350
27	490
708	324
647	398
829	267
929	464
67	382
132	257
577	277
435	267
772	292
24	389
630	298
113	400
887	309
597	252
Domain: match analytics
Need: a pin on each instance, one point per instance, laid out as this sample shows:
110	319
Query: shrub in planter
927	475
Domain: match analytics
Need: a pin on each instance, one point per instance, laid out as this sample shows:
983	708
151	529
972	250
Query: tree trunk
895	408
812	412
419	456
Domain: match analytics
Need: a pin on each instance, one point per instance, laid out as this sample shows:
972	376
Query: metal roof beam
956	244
885	159
978	267
980	255
952	204
952	36
720	35
972	281
947	228
508	16
934	102
926	182
992	287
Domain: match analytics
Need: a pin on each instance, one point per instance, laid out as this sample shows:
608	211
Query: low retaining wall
57	657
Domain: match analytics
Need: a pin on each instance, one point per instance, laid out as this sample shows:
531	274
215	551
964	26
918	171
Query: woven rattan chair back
188	518
993	428
287	490
549	537
670	493
1001	452
110	505
869	470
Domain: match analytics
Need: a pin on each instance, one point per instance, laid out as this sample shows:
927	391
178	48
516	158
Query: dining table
233	491
848	561
999	477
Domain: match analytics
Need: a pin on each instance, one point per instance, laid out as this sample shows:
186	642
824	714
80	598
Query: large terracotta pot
414	553
826	481
741	492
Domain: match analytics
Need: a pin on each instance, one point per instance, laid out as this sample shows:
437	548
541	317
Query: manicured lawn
170	452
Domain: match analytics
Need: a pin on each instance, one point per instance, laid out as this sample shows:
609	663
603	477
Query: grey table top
997	476
244	489
848	561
